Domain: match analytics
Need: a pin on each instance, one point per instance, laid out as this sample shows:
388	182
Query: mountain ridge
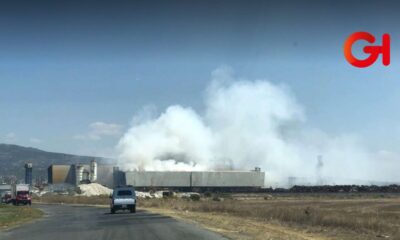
13	157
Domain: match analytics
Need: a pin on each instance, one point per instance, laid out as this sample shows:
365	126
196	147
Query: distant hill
13	158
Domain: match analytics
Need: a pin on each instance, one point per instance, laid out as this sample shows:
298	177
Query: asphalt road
63	222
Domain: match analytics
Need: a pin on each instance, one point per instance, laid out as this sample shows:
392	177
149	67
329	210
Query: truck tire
133	209
112	210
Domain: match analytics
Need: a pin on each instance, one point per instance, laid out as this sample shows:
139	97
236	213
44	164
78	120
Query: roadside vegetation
14	215
290	217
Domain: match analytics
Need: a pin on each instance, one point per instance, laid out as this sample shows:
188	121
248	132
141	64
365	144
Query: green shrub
207	194
195	197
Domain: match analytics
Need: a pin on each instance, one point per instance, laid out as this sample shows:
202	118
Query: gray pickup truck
123	198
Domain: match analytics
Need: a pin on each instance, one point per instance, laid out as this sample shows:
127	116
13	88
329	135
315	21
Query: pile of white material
93	189
158	194
38	193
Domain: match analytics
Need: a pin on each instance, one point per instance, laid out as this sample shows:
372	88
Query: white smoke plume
247	124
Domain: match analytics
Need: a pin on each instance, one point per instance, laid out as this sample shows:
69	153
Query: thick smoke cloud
247	124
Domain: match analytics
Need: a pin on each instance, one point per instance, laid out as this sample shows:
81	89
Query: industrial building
76	174
111	176
57	174
210	180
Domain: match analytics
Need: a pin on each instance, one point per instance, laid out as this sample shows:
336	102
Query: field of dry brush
311	217
291	216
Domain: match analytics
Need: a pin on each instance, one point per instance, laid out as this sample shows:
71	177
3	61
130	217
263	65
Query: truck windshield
23	192
124	193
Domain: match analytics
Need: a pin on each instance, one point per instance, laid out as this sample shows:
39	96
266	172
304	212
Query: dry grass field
291	216
14	215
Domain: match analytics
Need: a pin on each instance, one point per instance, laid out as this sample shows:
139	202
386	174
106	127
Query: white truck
6	198
20	194
123	198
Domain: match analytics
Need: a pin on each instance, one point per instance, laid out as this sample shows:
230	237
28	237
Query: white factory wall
158	179
195	179
228	179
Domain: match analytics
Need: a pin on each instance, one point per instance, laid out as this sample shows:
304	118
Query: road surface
62	222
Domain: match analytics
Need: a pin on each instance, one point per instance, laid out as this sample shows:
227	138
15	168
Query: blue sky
73	74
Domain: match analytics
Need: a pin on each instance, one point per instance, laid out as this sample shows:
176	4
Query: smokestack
28	173
320	165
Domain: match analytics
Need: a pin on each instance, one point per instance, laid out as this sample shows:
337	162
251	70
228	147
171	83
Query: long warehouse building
111	176
210	180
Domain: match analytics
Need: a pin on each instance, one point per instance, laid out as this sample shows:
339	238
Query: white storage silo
93	171
79	174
